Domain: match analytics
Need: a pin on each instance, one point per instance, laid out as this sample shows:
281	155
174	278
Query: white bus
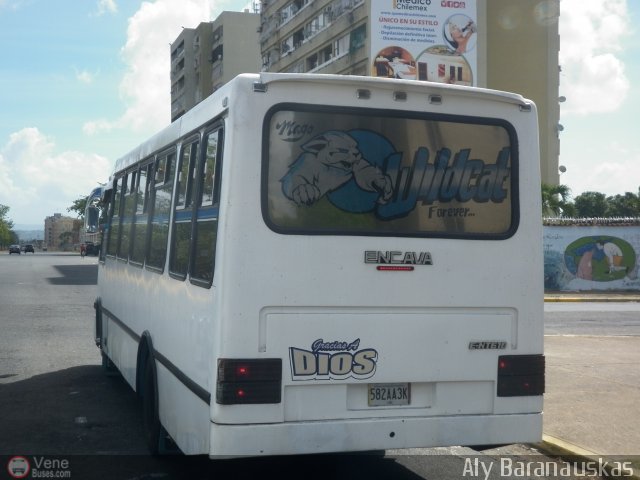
319	263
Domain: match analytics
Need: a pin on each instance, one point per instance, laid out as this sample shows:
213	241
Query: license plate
383	394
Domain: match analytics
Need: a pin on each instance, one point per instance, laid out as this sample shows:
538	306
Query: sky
83	82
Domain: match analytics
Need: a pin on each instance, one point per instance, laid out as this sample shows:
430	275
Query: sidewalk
592	399
591	297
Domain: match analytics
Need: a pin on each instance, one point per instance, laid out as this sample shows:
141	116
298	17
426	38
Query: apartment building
501	44
208	56
60	232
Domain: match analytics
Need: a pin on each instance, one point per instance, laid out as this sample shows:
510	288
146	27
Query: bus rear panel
391	284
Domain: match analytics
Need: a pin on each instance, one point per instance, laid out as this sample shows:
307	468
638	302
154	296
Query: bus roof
434	88
215	104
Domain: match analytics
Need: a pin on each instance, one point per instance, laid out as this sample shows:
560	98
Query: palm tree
555	201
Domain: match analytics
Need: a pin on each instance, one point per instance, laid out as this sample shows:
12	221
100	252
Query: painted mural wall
591	258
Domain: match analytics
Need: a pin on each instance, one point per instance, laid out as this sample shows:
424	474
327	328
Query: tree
591	204
7	235
78	206
555	201
627	205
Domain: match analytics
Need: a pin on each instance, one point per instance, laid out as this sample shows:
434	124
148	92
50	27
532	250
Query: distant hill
28	235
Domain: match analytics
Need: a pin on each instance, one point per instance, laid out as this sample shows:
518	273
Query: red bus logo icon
18	467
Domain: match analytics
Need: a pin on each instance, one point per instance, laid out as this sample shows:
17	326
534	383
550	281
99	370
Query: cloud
618	174
107	6
85	77
96	126
37	181
592	34
145	87
11	4
623	175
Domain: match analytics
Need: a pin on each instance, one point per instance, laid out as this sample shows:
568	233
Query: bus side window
139	233
122	196
162	192
183	211
127	215
206	227
114	229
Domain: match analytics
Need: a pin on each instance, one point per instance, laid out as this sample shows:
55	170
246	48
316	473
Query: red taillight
249	381
520	375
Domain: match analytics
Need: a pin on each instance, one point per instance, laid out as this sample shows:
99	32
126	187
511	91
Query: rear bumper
362	435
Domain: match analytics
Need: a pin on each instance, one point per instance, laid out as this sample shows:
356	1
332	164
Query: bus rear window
357	172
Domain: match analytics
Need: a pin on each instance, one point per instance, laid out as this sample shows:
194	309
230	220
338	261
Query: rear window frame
514	164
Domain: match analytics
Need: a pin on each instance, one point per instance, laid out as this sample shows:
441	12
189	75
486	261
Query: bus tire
150	416
158	440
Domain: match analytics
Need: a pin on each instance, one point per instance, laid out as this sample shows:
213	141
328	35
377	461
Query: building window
315	25
298	38
358	37
291	9
341	46
297	67
287	46
326	54
312	62
217	34
179	49
216	54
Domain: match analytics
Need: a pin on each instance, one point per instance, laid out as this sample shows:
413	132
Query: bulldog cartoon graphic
328	161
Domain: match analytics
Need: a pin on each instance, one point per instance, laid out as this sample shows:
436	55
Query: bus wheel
158	440
150	417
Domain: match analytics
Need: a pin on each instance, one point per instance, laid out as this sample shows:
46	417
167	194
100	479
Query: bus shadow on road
75	275
95	422
75	411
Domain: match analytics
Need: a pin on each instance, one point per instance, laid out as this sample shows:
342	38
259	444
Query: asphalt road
56	404
46	304
601	319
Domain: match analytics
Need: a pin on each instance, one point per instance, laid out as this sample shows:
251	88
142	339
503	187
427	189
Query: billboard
429	40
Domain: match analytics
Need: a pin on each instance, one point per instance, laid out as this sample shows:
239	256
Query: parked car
14	249
93	249
29	248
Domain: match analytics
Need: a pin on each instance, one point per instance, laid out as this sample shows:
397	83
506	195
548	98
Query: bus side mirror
92	209
91	219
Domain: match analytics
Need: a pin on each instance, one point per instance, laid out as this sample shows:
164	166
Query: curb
554	446
553	299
